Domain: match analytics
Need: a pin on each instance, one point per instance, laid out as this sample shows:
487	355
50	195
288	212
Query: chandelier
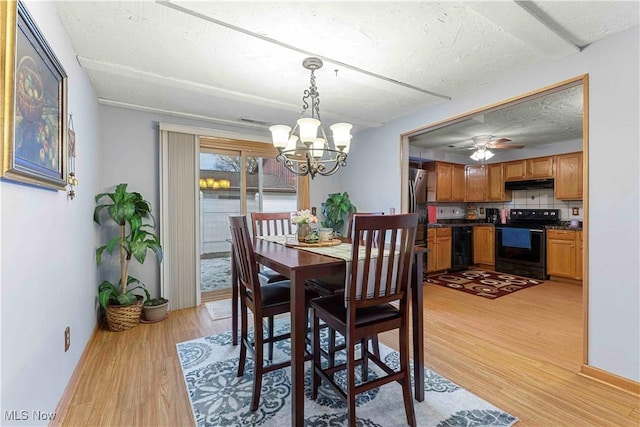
481	154
309	153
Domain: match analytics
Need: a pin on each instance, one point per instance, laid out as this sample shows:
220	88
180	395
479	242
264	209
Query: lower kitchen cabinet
439	241
564	253
484	244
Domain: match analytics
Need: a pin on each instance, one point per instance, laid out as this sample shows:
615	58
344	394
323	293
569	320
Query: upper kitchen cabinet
485	183
495	191
536	168
476	182
446	182
568	177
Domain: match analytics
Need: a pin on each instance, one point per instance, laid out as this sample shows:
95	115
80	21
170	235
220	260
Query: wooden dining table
299	266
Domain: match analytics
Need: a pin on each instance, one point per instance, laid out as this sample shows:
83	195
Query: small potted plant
155	309
132	214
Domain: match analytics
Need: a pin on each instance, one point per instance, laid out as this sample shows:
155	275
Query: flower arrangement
304	217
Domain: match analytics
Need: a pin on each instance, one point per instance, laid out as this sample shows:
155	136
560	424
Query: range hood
530	184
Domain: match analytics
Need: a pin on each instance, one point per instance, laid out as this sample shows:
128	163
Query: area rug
483	283
219	398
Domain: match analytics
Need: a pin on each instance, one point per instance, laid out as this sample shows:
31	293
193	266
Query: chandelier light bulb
341	134
308	129
318	148
280	135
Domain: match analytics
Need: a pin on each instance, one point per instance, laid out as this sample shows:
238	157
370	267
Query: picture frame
34	113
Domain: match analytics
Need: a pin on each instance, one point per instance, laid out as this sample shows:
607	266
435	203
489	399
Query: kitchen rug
483	283
219	398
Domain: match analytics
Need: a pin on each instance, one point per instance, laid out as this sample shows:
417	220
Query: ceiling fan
482	144
488	142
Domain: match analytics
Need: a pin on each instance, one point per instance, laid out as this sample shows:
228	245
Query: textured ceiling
240	63
551	118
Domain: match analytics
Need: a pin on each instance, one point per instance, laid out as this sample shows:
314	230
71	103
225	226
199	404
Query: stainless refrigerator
418	201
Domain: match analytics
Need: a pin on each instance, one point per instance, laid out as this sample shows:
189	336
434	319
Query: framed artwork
34	85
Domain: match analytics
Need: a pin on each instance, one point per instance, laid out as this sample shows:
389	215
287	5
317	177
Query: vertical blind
179	228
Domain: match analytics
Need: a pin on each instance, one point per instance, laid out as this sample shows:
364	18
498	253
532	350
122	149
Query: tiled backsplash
521	199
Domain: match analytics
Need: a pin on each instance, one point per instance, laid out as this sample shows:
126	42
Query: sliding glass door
235	182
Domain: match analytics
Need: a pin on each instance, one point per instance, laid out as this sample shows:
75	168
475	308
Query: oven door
536	256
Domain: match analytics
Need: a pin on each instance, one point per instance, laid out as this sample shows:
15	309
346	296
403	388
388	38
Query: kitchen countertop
565	227
460	223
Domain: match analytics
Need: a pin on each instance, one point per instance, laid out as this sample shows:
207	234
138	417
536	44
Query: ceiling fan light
474	156
488	154
280	135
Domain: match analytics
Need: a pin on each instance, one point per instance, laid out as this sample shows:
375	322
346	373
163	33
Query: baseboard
491	267
610	379
566	280
71	387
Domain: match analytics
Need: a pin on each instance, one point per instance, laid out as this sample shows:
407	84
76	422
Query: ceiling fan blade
507	146
499	141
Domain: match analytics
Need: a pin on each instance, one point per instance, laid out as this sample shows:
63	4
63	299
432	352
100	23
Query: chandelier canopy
309	153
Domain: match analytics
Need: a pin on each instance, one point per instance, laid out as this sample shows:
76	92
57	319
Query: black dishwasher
461	248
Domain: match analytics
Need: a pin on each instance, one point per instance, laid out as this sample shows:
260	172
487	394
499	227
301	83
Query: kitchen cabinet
568	177
439	241
447	182
536	168
564	253
540	167
495	183
475	183
484	244
485	183
457	183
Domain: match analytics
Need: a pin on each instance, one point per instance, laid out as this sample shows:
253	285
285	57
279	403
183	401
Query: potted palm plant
132	214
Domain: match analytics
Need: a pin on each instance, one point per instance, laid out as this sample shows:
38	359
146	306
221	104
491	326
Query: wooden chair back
352	215
383	275
247	267
271	223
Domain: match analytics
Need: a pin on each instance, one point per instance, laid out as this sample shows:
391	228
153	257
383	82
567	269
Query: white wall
48	274
373	179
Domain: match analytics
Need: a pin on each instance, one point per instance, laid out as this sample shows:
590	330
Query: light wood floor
520	352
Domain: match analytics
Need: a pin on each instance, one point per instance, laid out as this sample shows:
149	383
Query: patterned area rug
487	284
219	398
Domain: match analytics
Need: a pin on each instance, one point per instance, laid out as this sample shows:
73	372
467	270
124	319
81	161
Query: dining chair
262	300
376	300
270	224
334	285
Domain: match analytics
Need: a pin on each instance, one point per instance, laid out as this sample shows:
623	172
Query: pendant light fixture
310	152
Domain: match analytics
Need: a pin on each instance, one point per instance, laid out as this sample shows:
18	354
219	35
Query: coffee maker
492	215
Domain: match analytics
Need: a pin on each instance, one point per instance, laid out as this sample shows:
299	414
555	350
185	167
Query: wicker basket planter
123	317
